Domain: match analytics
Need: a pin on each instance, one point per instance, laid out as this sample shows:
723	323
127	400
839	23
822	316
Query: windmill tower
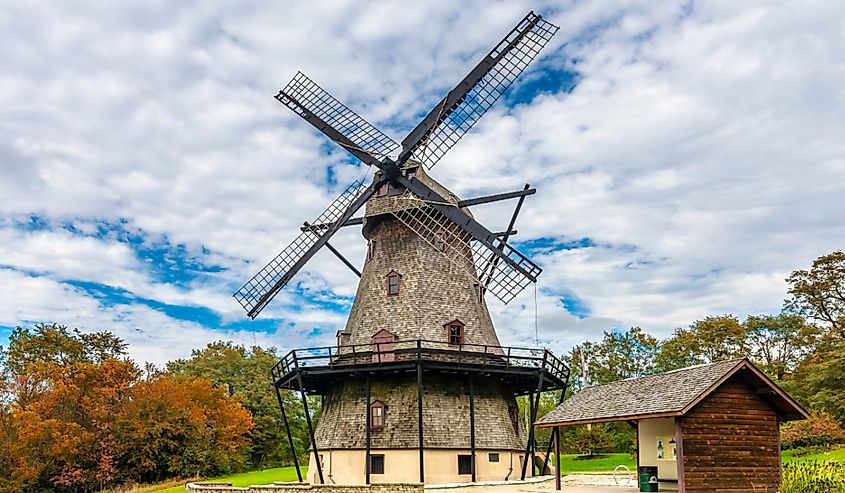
418	387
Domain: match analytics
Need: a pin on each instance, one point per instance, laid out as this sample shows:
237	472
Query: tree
590	440
779	342
819	380
245	374
819	293
715	338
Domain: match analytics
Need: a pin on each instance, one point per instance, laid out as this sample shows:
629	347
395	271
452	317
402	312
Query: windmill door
383	345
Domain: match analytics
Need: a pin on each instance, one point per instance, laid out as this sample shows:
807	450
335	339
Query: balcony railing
355	355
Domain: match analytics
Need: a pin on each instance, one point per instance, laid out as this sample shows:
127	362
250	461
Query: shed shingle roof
664	394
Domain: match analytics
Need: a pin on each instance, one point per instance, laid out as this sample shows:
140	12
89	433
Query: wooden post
549	449
287	429
529	449
310	427
679	458
420	414
472	426
369	418
557	457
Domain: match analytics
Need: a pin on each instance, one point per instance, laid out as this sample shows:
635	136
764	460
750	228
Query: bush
819	430
813	477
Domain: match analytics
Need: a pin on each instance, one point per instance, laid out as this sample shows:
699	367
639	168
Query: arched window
393	278
455	332
377	414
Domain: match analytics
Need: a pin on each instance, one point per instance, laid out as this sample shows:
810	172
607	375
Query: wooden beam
557	457
290	436
679	457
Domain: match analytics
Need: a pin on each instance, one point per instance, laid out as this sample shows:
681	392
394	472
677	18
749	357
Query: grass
835	455
265	476
570	463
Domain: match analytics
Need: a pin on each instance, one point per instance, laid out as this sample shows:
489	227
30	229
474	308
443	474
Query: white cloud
701	151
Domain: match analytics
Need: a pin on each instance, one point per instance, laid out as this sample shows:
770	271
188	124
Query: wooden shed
707	428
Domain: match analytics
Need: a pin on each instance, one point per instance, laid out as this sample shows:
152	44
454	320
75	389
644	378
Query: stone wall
300	487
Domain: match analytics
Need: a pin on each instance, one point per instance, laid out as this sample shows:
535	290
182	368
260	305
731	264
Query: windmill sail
476	93
263	287
306	98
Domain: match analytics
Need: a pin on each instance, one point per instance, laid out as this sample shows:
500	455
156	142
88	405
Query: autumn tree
245	375
819	293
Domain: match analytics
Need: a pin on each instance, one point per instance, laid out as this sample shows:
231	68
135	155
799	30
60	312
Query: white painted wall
650	429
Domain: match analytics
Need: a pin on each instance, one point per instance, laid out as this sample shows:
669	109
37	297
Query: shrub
813	477
819	430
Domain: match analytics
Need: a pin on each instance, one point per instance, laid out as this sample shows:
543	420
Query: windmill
420	306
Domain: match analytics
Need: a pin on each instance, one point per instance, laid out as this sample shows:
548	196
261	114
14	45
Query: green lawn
570	463
265	476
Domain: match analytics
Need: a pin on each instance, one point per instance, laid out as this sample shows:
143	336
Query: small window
393	282
455	334
377	409
371	249
464	464
514	413
493	457
382	190
410	173
440	238
479	292
377	464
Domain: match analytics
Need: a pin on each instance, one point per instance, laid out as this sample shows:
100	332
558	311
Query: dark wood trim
557	457
637	451
420	418
472	426
679	458
369	426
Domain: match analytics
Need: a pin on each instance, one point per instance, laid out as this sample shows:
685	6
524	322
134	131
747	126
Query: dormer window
377	412
410	173
393	283
382	190
455	332
440	240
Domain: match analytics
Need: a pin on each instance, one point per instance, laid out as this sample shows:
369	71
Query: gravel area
573	483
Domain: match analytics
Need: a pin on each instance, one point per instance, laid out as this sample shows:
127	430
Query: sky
688	156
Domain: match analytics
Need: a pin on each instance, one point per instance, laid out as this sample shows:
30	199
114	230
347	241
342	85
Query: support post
472	426
420	413
529	448
679	459
287	429
557	429
557	457
310	426
367	460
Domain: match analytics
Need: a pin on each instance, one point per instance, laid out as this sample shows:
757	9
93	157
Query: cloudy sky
688	156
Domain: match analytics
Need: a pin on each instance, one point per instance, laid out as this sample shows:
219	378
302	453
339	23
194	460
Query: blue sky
687	155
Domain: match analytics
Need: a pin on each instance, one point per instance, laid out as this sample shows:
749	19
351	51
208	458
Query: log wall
730	443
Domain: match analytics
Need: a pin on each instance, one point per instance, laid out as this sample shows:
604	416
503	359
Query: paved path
574	483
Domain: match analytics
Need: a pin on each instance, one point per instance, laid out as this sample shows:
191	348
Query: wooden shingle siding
731	442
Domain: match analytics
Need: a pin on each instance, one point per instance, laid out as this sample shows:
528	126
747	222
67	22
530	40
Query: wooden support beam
420	413
679	457
472	426
369	418
557	457
287	430
310	427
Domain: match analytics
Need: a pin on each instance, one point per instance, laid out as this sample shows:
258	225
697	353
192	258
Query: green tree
712	339
819	380
778	343
594	439
245	374
819	293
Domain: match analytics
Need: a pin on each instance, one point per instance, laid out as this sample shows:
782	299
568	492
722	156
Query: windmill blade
475	94
333	118
469	245
477	259
263	287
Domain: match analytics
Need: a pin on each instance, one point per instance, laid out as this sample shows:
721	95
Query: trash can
648	478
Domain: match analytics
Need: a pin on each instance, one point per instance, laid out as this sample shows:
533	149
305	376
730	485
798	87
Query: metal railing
355	355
